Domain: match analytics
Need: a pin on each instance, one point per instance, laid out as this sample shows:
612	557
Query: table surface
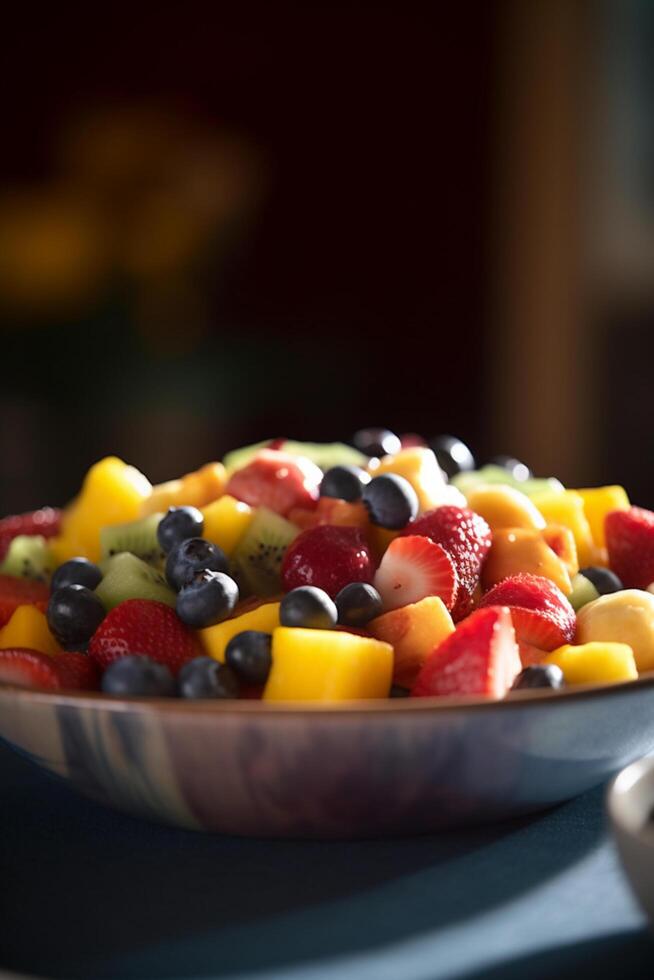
88	893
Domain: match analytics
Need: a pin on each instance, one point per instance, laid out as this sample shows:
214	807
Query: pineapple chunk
598	502
413	631
567	508
595	663
225	522
28	628
327	665
214	639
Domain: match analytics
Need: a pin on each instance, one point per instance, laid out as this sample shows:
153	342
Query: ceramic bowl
630	804
404	766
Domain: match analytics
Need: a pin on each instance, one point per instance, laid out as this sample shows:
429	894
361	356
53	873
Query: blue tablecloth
85	892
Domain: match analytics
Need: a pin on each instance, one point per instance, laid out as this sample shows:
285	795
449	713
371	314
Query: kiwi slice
325	455
257	560
129	577
138	537
467	481
583	592
29	556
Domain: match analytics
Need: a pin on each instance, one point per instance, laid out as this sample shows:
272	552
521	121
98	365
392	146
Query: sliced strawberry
539	629
542	616
479	658
327	557
45	522
146	627
28	668
77	671
16	592
278	481
467	539
412	568
630	544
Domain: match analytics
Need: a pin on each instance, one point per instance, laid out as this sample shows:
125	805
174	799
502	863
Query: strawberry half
328	557
630	544
278	481
467	539
479	658
28	668
413	568
542	616
45	521
77	671
16	592
146	627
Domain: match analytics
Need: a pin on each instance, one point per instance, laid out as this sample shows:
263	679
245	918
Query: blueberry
357	604
377	442
207	599
248	654
519	471
452	454
138	676
74	614
309	607
77	571
179	524
391	501
538	675
604	580
192	556
344	483
205	677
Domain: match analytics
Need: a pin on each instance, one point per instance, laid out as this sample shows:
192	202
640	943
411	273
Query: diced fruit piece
412	568
604	580
327	665
209	598
190	557
377	442
621	617
344	483
538	676
140	626
137	675
503	506
178	524
323	454
77	671
276	480
112	493
467	539
29	556
329	558
76	571
391	501
330	510
595	663
542	616
630	543
479	658
308	607
195	489
28	628
139	538
16	592
567	508
562	542
598	502
204	677
256	562
357	604
413	631
128	577
583	592
44	522
28	668
452	455
74	613
418	465
249	656
498	474
514	467
410	439
264	619
519	551
225	522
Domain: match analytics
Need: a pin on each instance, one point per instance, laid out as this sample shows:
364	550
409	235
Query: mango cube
517	550
598	502
214	639
503	506
595	663
28	627
327	665
225	522
418	465
413	631
567	508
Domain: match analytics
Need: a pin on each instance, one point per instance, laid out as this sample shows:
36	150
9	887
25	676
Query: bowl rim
98	700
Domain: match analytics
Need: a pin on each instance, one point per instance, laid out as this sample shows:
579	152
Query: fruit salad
290	571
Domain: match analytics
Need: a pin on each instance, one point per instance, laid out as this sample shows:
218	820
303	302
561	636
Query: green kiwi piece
29	556
129	577
325	455
467	481
138	537
583	592
257	560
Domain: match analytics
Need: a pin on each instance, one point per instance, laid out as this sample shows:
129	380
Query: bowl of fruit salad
330	640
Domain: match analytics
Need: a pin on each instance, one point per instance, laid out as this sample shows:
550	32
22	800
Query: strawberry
276	480
413	568
77	671
630	544
45	521
146	627
16	592
28	668
327	557
542	616
480	657
467	539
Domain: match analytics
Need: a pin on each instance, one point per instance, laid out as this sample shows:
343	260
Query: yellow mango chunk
595	663
214	639
192	490
327	665
598	502
225	522
28	627
567	508
621	617
413	631
517	550
418	465
503	506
